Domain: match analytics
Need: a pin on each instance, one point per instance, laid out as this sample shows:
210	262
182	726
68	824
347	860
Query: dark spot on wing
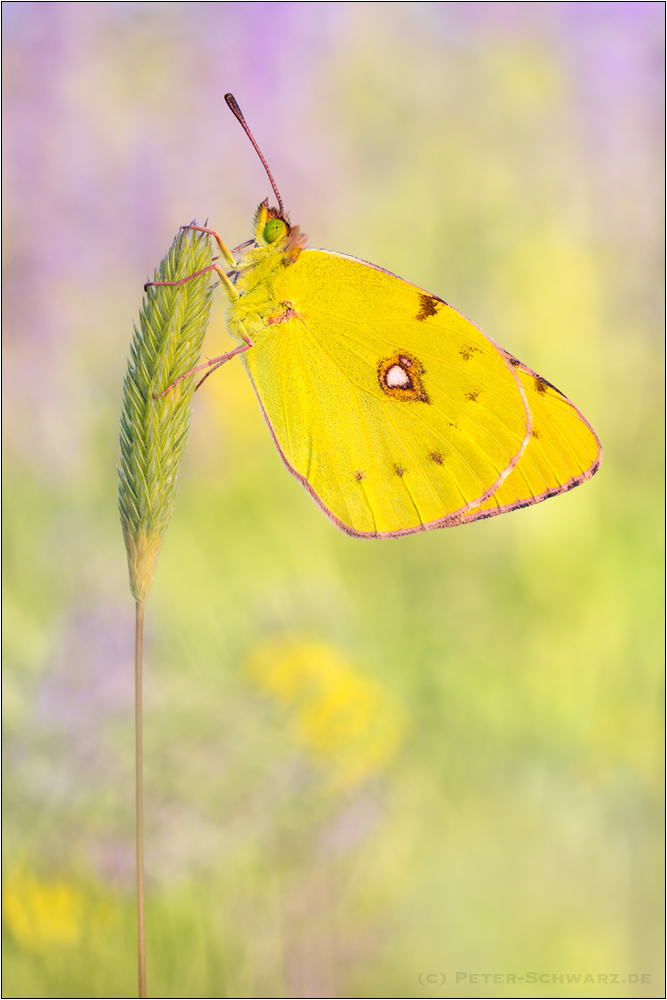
437	457
399	470
468	350
534	433
472	396
541	385
512	360
359	475
428	306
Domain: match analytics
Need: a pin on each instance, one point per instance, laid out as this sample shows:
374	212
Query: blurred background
367	762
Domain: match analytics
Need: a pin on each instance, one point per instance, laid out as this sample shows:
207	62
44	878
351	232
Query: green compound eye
273	230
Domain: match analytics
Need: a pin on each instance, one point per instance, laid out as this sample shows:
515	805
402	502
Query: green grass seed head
172	326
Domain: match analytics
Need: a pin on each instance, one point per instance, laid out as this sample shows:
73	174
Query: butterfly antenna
238	114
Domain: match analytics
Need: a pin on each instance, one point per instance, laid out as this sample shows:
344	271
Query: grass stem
139	764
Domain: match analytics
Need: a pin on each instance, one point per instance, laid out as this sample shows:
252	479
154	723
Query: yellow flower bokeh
351	725
40	914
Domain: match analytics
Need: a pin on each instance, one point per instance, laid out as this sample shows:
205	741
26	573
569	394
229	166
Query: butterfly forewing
394	410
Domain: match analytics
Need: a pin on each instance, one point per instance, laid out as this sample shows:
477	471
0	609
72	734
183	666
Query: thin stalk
153	432
139	758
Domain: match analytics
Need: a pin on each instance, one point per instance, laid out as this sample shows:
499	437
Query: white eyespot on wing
396	377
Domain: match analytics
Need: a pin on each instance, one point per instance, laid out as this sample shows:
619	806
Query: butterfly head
272	229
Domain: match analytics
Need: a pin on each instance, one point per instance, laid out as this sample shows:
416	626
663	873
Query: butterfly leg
229	287
226	253
211	364
216	362
233	294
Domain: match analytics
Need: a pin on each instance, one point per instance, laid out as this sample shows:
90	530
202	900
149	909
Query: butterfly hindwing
563	450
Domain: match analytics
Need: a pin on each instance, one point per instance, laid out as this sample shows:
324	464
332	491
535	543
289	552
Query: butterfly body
394	411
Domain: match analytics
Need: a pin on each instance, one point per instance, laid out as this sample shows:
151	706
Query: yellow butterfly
392	409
